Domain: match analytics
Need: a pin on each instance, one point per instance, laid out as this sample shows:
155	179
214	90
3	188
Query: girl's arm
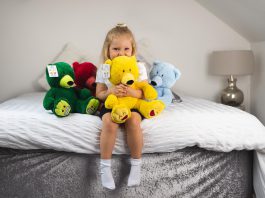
102	91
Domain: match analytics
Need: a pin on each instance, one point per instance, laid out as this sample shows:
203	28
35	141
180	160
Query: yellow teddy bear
124	69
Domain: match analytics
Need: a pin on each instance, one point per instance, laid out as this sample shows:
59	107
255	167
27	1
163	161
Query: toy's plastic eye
157	72
123	70
130	70
162	75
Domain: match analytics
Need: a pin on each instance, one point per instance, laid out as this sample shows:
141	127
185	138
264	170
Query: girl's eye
127	49
116	49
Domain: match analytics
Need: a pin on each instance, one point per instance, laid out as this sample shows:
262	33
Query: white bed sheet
25	124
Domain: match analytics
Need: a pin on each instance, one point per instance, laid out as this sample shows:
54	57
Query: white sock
135	173
106	175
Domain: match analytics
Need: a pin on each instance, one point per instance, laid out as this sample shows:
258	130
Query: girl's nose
121	53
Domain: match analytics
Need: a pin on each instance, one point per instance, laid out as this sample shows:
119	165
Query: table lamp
232	63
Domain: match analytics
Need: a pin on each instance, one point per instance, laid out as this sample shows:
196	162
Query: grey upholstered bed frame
189	172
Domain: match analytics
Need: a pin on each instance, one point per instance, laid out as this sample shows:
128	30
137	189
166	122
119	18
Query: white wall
258	82
181	32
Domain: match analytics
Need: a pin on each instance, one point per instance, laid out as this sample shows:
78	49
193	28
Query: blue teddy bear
163	76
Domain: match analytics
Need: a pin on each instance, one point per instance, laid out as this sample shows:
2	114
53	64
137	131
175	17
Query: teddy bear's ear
177	73
75	65
156	62
108	62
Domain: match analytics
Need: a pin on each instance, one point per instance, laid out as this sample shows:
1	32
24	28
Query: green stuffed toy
124	70
62	98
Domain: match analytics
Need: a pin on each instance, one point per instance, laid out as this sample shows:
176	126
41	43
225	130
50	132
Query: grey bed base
189	172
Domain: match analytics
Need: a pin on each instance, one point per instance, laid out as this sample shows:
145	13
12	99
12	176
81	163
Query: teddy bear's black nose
153	83
129	82
70	83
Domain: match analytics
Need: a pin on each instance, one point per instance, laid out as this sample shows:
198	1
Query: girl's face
120	46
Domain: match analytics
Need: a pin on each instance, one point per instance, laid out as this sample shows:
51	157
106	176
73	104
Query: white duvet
25	124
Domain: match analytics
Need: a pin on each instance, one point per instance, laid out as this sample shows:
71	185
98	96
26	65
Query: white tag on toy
52	70
105	70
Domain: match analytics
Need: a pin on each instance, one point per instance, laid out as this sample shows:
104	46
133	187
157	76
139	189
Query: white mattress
25	124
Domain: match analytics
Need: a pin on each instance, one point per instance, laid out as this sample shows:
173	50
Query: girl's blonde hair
119	30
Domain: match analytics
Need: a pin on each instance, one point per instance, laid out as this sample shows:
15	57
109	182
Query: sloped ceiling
247	17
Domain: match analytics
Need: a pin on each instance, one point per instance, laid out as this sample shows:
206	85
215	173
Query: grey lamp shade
232	62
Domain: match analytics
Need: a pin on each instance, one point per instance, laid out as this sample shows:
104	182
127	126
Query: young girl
119	41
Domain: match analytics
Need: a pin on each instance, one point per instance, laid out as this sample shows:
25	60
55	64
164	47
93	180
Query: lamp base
231	95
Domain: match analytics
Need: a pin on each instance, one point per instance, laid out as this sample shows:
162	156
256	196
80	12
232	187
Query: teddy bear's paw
120	114
92	106
111	101
159	106
154	108
62	108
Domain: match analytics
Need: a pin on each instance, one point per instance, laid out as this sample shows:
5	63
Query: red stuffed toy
85	76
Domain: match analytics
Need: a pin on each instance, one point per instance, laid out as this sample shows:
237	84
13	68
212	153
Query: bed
196	148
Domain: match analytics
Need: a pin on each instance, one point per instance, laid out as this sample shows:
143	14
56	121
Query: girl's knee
134	120
108	123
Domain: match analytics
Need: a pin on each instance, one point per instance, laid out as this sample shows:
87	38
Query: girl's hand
130	91
136	93
119	90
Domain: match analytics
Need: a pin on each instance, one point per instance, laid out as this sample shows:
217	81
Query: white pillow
69	54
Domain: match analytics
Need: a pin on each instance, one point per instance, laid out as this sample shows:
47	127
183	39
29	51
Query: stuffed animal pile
62	99
124	70
162	77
